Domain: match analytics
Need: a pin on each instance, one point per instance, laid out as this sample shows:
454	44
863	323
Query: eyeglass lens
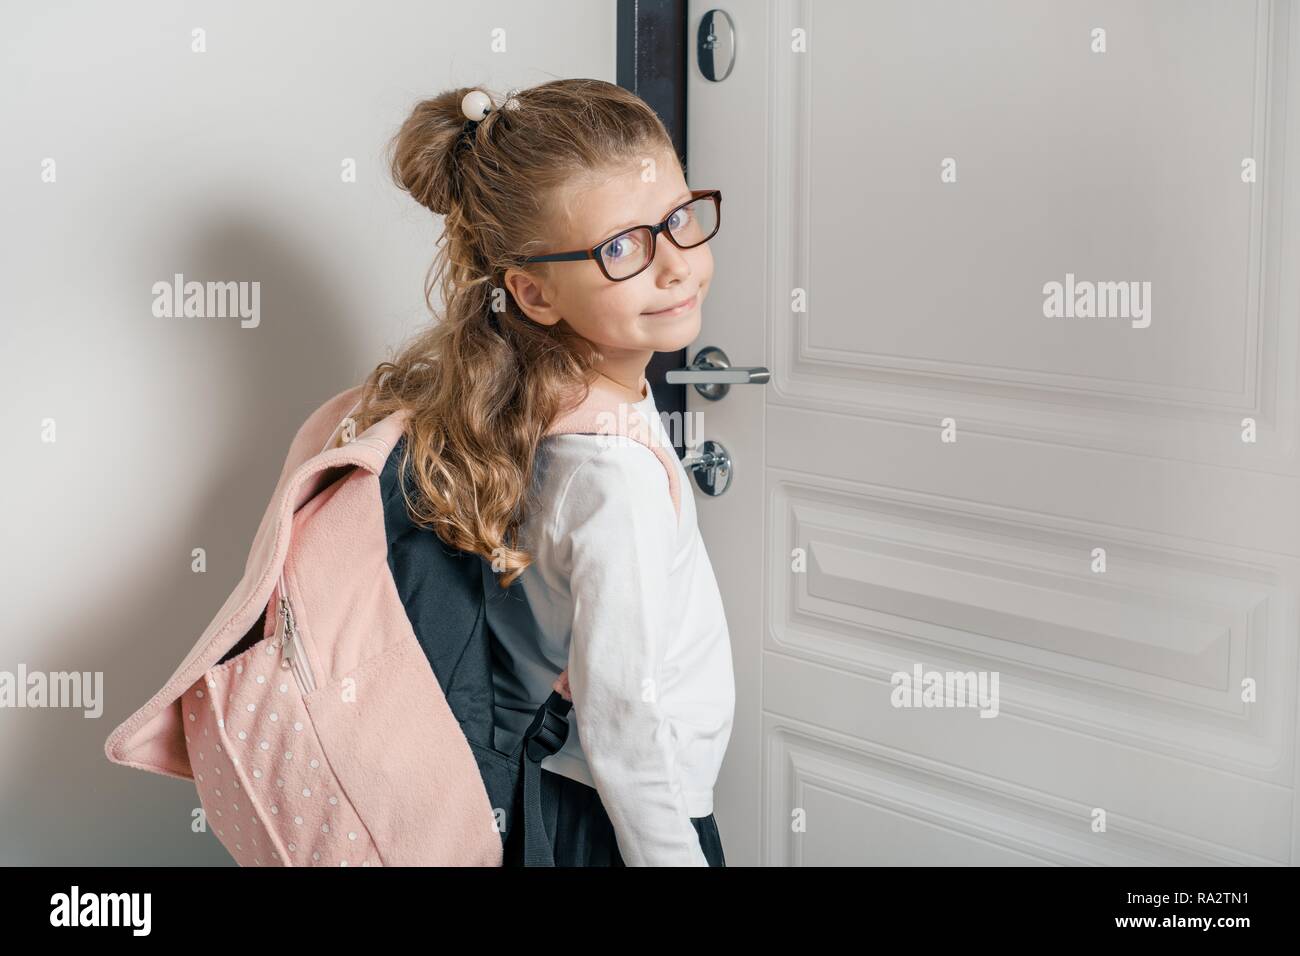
692	224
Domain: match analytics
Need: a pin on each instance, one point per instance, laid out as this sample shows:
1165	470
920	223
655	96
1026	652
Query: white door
1114	533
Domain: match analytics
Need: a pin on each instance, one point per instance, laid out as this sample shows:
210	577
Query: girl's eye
679	219
621	247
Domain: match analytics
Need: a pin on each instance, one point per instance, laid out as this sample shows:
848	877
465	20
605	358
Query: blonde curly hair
483	386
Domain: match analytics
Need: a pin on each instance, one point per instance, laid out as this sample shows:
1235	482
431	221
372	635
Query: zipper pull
286	644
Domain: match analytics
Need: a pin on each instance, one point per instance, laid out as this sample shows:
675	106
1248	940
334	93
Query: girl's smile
684	306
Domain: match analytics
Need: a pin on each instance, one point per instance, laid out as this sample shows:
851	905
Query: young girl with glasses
573	250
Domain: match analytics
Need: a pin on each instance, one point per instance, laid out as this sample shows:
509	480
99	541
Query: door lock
711	467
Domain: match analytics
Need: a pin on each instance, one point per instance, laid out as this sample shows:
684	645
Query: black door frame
652	58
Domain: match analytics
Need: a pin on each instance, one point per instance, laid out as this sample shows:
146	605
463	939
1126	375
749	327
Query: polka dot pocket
267	790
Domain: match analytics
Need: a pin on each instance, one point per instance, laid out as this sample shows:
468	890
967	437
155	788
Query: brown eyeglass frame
655	229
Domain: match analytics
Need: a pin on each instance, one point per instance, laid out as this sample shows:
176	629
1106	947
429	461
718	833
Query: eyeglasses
629	253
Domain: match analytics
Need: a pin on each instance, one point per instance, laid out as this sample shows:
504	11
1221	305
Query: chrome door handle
712	374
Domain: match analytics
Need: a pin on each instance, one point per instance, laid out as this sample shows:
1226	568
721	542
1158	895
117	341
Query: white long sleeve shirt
624	595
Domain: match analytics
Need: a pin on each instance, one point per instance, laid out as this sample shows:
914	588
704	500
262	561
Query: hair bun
424	150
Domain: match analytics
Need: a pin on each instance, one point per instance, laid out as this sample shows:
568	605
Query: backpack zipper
292	650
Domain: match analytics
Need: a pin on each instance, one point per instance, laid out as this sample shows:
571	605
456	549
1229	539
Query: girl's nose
671	261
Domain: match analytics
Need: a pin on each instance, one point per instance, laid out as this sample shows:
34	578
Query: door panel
900	309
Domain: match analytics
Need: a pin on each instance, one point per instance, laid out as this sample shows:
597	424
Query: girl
596	572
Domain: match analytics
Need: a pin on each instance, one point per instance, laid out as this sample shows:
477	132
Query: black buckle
549	729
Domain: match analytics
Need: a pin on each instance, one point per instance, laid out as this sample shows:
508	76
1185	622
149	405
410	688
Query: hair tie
476	105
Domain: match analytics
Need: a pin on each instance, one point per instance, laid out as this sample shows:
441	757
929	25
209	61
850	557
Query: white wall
170	432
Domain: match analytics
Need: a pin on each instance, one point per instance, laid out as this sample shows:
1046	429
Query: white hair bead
476	105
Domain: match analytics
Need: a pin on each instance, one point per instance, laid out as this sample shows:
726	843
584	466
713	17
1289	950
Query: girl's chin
672	334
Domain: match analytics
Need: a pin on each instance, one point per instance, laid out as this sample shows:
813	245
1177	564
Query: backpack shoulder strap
605	412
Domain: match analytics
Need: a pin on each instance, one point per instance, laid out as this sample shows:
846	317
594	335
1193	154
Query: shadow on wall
233	397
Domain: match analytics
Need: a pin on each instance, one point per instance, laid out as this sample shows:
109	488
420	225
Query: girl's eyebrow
627	225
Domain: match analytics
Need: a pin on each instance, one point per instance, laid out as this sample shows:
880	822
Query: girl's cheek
701	263
631	296
623	304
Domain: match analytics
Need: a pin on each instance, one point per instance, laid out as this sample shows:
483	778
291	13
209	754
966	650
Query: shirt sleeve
618	520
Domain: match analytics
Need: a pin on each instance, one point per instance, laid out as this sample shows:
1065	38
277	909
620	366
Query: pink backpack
338	709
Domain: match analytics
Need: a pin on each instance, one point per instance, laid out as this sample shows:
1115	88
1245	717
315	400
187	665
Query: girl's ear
531	297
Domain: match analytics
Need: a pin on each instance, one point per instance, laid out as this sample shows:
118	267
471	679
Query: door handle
712	374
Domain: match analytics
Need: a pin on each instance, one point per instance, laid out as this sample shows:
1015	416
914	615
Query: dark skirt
581	833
